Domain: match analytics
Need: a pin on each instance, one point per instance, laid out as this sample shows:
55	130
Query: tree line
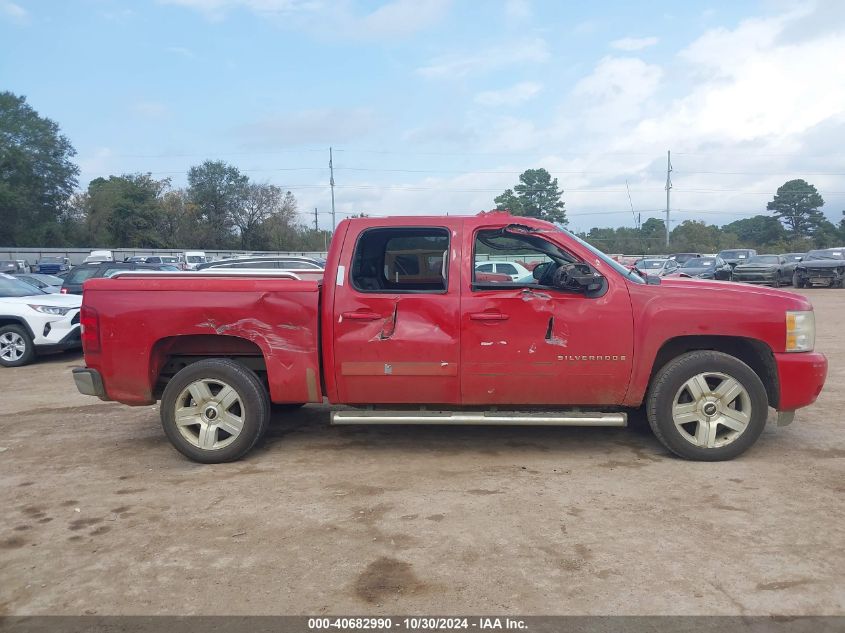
220	208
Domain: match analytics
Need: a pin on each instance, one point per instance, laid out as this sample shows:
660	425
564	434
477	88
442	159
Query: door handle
361	315
488	316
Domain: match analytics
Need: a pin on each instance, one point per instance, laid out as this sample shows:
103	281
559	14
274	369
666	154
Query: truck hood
62	301
734	295
822	263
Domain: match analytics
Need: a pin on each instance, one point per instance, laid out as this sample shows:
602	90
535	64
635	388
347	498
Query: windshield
794	257
11	287
734	254
78	275
194	259
169	260
627	272
651	264
824	255
699	262
764	259
51	260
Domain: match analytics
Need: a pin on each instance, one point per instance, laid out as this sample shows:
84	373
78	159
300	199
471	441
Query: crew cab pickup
402	328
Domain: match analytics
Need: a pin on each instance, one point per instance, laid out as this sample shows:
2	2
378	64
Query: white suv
34	321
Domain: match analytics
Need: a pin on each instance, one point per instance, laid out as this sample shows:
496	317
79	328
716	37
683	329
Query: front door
529	344
396	327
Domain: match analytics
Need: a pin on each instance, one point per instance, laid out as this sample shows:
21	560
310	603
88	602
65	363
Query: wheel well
9	320
172	354
756	354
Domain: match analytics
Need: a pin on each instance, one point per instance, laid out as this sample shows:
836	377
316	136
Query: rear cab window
401	260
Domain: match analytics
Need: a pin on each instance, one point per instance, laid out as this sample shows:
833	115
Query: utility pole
331	182
668	188
316	226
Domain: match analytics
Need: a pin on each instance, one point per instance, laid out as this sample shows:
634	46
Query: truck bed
271	320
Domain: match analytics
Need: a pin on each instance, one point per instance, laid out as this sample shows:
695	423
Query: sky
437	106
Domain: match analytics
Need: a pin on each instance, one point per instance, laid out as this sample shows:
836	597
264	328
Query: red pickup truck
403	329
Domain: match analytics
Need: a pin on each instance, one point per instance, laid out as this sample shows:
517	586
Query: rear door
396	316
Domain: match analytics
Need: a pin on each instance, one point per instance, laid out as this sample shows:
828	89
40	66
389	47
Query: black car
707	268
773	270
736	256
75	278
821	268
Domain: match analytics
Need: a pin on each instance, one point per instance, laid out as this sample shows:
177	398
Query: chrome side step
528	418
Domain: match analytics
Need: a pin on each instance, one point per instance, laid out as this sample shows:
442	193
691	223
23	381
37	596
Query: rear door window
406	259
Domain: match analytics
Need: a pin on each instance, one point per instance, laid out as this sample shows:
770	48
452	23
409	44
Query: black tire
253	398
668	382
19	333
797	282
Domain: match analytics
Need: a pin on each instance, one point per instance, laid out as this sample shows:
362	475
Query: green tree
797	204
218	190
37	176
695	236
760	230
126	211
536	196
259	203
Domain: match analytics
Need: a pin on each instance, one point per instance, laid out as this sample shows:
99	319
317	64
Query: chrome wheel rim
12	346
209	414
711	410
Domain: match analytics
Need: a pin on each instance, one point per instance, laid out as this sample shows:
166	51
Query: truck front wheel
214	410
707	406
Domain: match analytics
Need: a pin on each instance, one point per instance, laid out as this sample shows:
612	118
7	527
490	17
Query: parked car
683	258
737	255
656	267
48	283
99	256
52	265
172	260
514	270
33	321
771	270
8	266
825	267
585	342
706	268
194	259
23	266
266	263
72	283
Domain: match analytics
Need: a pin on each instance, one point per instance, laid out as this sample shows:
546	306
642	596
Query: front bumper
801	376
89	382
756	278
50	332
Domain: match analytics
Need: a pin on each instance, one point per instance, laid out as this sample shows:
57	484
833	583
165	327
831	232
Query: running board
542	418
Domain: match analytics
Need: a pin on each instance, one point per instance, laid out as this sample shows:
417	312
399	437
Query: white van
194	259
99	256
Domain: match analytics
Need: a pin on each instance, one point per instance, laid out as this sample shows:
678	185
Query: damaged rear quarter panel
279	316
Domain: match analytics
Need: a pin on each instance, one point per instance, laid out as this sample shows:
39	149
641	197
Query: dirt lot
100	515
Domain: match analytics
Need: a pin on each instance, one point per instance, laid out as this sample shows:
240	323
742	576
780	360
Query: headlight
800	331
54	310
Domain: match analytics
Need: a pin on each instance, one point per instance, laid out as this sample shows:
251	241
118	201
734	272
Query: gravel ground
101	516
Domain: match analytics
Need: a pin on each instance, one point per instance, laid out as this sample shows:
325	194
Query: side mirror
579	278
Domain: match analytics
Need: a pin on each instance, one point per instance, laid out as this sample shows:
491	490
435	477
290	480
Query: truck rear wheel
214	411
707	406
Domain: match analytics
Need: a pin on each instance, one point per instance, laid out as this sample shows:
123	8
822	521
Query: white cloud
515	95
633	43
13	11
457	66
